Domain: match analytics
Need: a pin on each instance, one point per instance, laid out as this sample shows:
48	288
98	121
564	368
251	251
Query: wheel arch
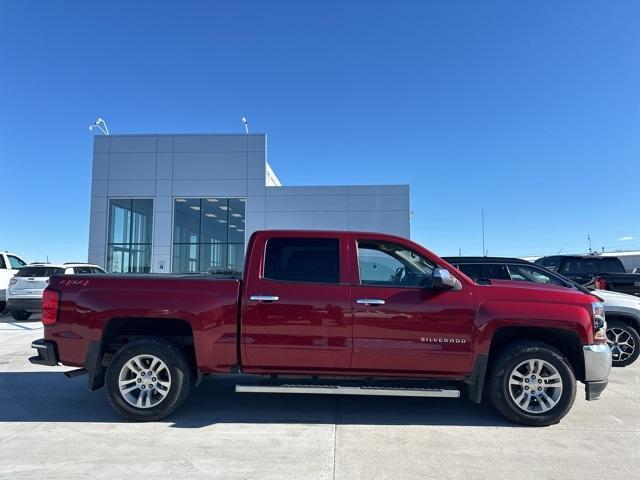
624	317
565	341
121	330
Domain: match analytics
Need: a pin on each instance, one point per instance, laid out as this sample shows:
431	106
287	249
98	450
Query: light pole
246	125
101	125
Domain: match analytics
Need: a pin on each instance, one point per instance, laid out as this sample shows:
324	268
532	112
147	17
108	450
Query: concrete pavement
52	427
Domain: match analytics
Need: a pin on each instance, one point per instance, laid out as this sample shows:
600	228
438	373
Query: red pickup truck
330	313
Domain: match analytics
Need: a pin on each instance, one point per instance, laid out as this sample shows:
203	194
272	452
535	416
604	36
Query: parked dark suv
603	273
622	311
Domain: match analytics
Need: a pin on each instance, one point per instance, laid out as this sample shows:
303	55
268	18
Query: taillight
50	300
600	283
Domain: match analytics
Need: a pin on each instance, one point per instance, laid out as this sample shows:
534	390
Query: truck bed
91	303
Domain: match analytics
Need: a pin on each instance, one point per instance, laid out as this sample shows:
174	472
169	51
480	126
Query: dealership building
189	203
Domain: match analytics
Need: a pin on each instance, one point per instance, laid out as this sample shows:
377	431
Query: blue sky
530	110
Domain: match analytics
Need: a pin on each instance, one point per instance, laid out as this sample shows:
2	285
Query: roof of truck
455	260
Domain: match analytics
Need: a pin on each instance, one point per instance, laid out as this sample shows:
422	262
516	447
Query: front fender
493	315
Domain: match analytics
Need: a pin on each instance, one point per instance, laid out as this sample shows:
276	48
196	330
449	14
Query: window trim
269	279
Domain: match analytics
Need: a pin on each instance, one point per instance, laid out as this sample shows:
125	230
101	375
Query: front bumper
47	353
26	304
597	365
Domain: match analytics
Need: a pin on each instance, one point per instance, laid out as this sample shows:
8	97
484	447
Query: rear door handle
264	298
370	301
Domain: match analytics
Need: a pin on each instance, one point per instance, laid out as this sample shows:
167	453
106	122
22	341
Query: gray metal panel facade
163	167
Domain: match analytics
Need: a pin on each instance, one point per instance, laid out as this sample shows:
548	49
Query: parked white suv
24	294
10	263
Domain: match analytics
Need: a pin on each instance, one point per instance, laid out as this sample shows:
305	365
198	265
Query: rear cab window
581	266
39	271
309	260
81	270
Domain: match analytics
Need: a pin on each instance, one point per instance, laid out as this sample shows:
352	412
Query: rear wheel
624	342
532	383
148	380
20	315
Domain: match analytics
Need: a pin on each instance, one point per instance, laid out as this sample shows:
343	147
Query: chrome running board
339	390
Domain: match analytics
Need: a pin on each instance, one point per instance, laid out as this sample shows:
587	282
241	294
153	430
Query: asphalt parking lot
52	427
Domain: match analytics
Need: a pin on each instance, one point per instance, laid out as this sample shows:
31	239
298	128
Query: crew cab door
400	324
296	312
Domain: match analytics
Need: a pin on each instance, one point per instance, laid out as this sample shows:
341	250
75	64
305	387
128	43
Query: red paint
317	328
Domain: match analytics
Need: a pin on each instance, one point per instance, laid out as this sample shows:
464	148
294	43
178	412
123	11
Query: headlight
13	281
599	322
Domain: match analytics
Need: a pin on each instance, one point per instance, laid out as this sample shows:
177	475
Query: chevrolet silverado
325	312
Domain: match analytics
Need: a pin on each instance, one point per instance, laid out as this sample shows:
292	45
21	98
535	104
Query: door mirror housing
443	280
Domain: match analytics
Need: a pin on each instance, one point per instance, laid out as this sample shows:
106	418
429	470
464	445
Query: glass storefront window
130	233
208	234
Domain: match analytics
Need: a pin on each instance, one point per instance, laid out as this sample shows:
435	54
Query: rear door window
97	270
611	265
39	271
315	260
528	273
81	270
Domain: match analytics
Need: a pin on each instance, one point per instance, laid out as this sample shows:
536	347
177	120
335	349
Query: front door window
387	264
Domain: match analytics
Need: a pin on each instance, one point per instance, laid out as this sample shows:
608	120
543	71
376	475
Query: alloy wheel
622	344
144	381
535	386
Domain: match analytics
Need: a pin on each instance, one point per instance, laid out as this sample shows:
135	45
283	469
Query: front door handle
370	301
264	298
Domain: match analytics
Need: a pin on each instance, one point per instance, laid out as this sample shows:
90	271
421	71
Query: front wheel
148	380
532	383
624	342
20	315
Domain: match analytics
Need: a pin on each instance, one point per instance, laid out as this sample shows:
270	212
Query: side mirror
443	280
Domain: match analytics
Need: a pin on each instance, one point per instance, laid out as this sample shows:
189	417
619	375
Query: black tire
499	389
20	315
181	379
629	352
